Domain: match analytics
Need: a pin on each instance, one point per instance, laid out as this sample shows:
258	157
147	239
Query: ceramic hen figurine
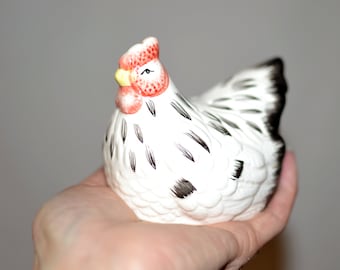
203	160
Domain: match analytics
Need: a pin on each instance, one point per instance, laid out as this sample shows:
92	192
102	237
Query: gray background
57	60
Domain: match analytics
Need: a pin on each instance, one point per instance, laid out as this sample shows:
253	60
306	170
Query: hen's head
140	74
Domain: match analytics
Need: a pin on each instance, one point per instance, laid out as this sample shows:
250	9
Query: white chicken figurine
203	160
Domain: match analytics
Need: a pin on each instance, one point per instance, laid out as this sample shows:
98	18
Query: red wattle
128	100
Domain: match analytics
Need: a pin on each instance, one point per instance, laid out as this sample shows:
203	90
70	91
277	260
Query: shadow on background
270	257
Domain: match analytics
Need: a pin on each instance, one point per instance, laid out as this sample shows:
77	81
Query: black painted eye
147	71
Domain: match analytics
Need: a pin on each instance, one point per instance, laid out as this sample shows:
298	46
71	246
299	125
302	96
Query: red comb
140	54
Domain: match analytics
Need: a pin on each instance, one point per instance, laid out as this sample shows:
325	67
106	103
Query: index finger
274	218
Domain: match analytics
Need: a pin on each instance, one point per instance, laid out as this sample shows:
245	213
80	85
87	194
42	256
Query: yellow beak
122	77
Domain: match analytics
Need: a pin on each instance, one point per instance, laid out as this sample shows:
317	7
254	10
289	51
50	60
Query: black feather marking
249	80
222	107
244	84
254	126
183	188
123	131
246	97
151	107
251	111
222	99
220	129
138	132
111	147
178	107
132	159
238	169
184	100
185	152
198	140
238	98
229	123
107	133
150	156
212	116
251	97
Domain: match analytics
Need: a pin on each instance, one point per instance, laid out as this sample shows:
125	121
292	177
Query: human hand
88	227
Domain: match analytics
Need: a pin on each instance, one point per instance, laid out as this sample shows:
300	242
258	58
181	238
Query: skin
88	227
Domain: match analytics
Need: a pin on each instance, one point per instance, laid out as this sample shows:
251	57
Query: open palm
87	227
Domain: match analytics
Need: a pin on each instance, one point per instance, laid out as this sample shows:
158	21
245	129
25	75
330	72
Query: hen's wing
250	104
256	94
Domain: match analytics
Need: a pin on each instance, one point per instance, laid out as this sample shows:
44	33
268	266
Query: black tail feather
280	89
